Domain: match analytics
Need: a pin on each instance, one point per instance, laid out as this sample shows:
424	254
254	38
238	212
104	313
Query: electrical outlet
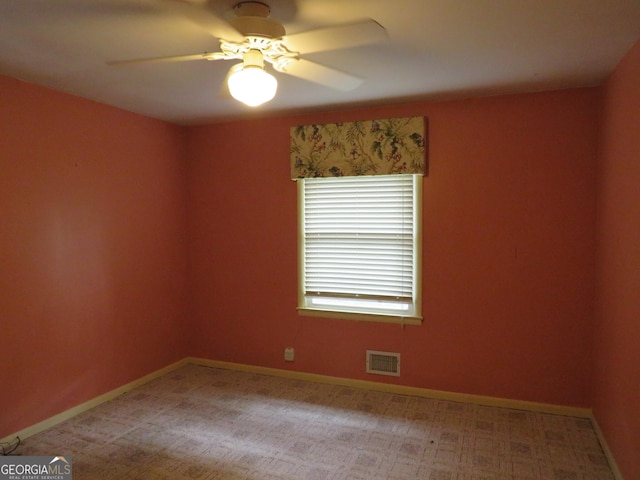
289	354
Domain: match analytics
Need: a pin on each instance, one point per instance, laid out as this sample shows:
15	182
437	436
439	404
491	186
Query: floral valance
374	147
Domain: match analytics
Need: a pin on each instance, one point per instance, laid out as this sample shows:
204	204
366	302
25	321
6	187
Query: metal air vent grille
383	363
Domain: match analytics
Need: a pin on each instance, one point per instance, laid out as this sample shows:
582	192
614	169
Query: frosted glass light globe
252	86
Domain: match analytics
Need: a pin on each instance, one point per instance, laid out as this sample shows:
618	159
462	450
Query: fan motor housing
252	21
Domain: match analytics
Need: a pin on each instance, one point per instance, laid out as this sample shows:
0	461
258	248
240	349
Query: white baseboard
94	402
605	448
400	389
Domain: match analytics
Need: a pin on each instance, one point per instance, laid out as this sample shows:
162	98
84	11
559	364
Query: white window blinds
359	237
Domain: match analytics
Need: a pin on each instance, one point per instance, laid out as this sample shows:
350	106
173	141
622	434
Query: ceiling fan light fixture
249	83
252	86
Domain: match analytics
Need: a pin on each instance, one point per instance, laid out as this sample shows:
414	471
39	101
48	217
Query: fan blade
171	58
205	19
96	7
333	38
314	72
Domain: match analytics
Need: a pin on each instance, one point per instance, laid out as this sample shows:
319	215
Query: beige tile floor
204	423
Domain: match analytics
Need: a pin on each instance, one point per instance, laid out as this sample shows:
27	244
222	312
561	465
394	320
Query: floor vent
383	363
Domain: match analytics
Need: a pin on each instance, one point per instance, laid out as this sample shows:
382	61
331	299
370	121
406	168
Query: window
360	247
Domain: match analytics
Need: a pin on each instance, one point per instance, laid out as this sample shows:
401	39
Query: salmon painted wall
509	241
92	250
617	335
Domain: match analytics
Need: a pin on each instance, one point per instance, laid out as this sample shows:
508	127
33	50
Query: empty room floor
206	423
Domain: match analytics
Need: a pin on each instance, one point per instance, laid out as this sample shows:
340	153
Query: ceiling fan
255	39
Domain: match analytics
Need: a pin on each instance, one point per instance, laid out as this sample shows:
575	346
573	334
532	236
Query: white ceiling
436	49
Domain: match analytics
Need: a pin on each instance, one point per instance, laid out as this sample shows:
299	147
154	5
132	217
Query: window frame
413	319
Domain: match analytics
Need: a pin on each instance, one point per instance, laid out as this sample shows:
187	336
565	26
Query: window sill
359	317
